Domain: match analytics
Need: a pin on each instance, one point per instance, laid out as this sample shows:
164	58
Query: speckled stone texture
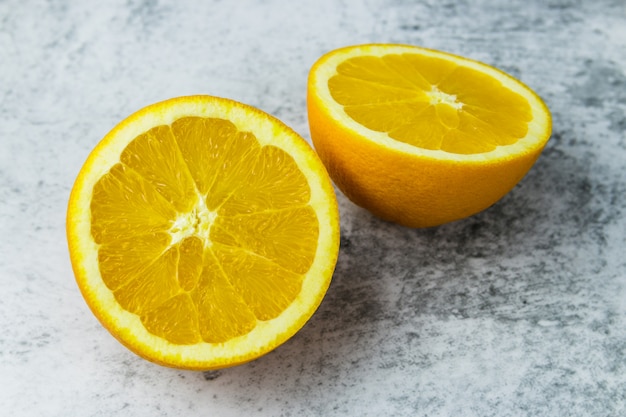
517	311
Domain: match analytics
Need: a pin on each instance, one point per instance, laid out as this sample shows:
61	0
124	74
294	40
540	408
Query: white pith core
439	97
196	222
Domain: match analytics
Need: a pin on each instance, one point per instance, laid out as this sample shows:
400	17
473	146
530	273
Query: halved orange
203	233
422	137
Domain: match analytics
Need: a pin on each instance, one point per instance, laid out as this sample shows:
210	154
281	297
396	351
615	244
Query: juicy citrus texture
203	233
422	137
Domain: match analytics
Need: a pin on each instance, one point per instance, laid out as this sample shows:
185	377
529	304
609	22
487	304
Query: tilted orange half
202	232
422	137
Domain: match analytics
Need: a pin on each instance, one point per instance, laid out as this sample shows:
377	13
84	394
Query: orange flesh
200	230
430	103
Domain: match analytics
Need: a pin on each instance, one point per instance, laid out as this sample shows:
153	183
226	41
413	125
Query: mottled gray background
517	311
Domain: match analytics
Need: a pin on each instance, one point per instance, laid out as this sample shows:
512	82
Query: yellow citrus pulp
422	137
203	233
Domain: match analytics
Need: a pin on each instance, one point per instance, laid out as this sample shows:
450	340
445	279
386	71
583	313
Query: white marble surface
518	311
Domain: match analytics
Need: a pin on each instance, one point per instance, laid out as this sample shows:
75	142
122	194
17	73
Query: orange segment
422	137
124	204
155	157
264	286
225	315
121	260
165	320
203	233
273	182
203	143
289	247
153	286
396	114
191	255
